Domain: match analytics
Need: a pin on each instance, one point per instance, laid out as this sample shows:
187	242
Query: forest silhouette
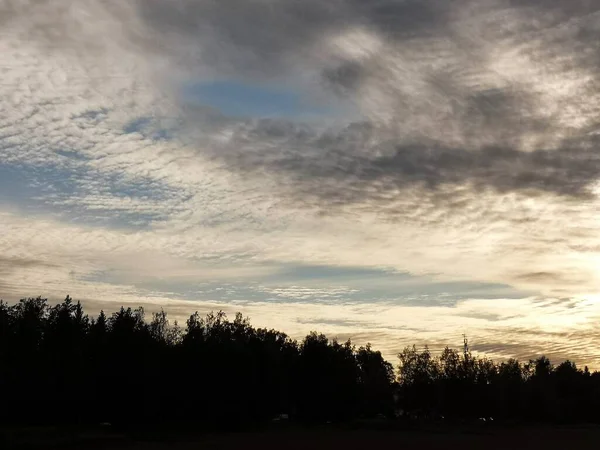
58	365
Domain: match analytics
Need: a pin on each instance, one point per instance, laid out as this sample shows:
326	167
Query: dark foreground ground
291	438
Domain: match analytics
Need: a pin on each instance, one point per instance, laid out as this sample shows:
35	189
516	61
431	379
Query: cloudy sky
394	171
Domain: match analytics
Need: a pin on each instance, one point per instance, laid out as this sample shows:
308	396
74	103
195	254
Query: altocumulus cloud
461	148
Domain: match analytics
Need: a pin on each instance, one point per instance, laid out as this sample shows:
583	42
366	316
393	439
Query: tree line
58	365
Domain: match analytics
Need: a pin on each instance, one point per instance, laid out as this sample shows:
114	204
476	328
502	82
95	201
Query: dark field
560	437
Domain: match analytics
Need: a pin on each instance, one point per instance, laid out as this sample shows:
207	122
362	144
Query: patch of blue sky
324	285
389	284
297	272
59	192
72	155
182	290
92	114
157	129
118	185
240	99
137	125
24	186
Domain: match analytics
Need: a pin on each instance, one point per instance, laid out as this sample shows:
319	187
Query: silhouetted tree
376	378
418	375
57	365
509	390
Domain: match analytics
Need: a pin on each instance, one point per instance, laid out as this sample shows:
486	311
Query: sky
391	171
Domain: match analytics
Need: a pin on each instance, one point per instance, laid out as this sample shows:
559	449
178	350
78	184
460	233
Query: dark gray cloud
262	37
346	166
343	78
485	132
256	35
